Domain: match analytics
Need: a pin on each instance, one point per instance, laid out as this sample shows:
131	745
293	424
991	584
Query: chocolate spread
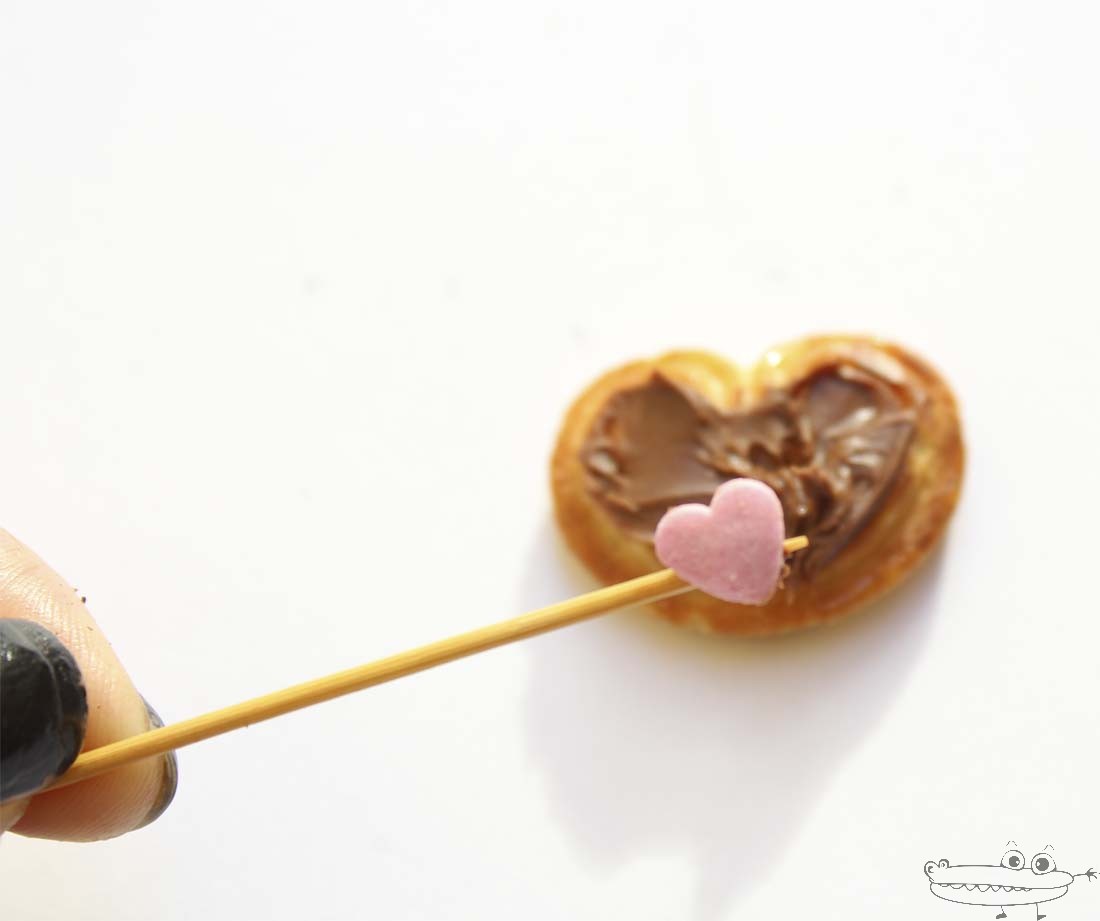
831	445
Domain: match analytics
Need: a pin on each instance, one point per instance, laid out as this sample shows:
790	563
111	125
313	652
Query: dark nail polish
43	707
170	777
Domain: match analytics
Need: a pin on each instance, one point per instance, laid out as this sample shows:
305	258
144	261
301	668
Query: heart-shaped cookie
860	440
731	549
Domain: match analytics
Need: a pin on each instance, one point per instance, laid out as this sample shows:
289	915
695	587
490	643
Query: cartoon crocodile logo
1014	883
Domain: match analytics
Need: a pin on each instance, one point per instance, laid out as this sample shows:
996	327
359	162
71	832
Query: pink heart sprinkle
732	549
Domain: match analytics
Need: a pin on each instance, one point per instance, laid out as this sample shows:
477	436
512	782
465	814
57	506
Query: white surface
271	277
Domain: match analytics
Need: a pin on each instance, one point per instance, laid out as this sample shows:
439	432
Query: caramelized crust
774	421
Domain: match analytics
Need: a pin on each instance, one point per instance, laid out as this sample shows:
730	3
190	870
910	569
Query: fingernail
43	707
170	776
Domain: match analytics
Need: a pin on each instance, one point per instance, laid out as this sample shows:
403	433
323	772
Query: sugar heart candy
731	549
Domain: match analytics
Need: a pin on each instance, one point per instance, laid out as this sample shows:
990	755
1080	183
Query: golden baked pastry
859	438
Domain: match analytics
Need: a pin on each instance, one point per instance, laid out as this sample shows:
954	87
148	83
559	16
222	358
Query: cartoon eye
1014	860
1042	863
944	863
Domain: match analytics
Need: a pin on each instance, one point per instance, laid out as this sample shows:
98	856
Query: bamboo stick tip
796	543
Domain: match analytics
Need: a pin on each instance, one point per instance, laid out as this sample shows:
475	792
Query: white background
293	297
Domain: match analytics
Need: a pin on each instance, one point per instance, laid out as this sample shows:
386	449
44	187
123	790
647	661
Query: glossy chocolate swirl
831	445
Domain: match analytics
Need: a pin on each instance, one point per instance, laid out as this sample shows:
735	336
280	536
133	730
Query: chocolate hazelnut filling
831	445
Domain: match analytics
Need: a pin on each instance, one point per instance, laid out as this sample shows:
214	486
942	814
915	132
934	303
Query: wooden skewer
652	587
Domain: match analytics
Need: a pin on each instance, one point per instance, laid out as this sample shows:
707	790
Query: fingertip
98	808
127	798
112	804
